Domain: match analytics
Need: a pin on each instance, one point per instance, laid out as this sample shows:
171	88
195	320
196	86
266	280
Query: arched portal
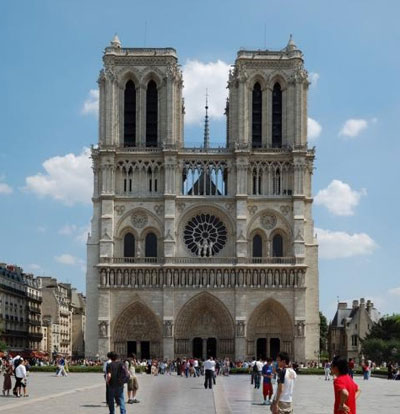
138	330
204	318
269	330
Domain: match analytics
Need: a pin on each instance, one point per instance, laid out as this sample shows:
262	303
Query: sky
51	57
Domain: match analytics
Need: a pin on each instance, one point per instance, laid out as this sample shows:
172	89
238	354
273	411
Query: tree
387	328
323	333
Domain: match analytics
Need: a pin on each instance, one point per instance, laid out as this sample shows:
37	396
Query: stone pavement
84	394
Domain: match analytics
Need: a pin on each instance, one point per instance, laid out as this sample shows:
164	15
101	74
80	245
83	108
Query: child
346	390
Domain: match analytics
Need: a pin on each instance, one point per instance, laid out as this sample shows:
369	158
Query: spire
291	45
206	129
116	42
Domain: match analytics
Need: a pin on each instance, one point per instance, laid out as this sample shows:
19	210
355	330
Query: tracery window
277	116
256	116
151	245
130	114
205	235
129	245
151	114
277	246
257	246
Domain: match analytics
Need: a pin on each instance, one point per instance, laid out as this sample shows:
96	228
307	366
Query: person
283	401
117	376
351	367
105	365
133	384
252	363
365	369
209	372
257	373
20	376
390	370
346	390
267	381
327	368
8	372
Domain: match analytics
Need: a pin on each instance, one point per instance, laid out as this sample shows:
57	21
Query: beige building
197	251
57	315
78	308
20	309
349	327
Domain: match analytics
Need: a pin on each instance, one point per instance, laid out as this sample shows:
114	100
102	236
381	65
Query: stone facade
349	327
197	251
78	308
20	309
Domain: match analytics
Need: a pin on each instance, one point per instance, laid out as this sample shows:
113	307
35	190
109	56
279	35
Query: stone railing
190	277
200	261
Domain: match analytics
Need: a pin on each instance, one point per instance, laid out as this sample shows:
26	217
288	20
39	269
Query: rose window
205	235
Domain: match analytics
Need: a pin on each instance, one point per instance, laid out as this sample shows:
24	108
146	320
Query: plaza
84	393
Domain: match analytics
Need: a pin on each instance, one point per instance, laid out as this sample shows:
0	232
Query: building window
129	245
277	116
277	246
151	114
354	340
130	115
256	116
257	246
151	245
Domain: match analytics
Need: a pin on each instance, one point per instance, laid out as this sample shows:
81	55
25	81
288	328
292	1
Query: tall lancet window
256	116
130	115
277	116
151	114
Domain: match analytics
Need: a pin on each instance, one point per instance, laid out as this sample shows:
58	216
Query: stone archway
138	330
204	317
269	330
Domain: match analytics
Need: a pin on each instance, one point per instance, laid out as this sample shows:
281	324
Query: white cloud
67	179
78	233
198	77
66	259
313	77
4	187
339	244
353	127
395	291
313	129
339	198
91	104
34	267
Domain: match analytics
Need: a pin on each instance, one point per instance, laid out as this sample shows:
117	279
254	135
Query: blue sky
51	56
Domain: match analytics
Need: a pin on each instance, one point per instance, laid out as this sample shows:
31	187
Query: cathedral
202	251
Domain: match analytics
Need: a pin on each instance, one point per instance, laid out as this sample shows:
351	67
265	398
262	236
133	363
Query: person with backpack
117	376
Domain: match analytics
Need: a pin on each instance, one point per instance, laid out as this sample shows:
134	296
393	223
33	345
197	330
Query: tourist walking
267	373
209	372
346	390
252	363
257	373
283	401
327	368
351	367
133	384
20	379
117	376
8	372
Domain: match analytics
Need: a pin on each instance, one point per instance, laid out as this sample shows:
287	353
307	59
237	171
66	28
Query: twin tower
202	251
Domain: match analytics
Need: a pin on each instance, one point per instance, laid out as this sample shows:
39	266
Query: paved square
85	394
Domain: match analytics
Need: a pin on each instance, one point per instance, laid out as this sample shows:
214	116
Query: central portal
198	348
211	347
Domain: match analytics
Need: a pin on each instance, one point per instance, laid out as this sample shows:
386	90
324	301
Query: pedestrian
346	390
209	372
252	363
117	376
257	373
267	372
327	369
365	369
351	367
283	401
8	372
133	384
105	365
20	376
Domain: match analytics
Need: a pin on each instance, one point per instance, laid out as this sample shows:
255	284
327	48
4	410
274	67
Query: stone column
204	349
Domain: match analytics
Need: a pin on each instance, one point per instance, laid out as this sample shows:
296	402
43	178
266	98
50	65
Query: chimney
369	306
362	303
355	304
342	305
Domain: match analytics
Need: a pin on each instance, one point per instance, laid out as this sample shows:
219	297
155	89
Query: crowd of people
16	368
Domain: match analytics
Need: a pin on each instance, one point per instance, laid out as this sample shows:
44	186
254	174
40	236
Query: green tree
323	333
387	328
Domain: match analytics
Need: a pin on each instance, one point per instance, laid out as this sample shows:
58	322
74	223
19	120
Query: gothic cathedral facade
202	251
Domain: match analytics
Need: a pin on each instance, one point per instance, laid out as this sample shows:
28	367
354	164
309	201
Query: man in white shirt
209	369
286	378
20	376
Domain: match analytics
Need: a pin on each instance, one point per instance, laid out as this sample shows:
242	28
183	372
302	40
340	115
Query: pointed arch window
277	116
257	246
151	245
256	116
151	114
129	245
130	114
277	246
